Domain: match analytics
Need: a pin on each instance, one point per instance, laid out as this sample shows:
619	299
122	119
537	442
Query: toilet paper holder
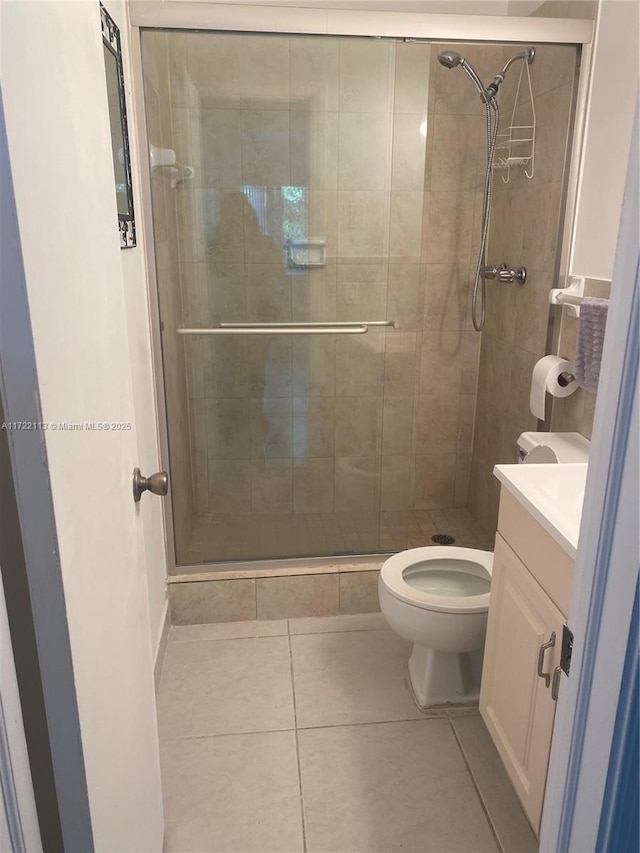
553	375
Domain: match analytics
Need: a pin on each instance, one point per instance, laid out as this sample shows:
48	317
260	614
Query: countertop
552	493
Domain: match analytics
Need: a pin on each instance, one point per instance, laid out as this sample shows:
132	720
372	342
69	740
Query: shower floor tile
302	735
221	539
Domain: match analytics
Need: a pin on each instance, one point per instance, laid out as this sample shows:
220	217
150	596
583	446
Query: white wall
52	68
612	98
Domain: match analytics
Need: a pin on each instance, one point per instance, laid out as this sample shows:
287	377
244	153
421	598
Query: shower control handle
494	272
506	275
157	484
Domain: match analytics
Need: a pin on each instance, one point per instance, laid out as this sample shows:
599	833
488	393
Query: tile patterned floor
302	735
250	537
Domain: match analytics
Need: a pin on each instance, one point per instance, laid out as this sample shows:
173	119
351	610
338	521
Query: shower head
449	58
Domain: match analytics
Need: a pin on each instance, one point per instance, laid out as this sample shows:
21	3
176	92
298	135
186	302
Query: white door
60	151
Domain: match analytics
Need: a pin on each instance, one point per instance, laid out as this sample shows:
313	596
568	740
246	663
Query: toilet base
441	678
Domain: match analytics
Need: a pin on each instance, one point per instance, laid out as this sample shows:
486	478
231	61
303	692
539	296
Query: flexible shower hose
492	133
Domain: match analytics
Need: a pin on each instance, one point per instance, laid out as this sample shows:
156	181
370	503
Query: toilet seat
444	579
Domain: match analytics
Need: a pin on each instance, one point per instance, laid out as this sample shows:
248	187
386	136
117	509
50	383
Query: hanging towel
593	320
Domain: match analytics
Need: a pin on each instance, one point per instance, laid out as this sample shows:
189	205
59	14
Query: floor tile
462	710
330	624
223	686
232	793
228	630
387	787
352	677
508	819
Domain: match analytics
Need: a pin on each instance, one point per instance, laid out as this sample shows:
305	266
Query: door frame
606	571
290	20
30	561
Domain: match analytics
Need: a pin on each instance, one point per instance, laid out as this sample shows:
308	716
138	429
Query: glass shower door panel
305	208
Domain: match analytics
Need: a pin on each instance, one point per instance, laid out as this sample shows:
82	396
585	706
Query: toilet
437	598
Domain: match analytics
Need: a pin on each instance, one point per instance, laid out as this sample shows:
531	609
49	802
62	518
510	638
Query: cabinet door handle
543	648
555	684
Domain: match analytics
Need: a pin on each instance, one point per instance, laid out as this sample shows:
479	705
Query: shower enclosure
317	207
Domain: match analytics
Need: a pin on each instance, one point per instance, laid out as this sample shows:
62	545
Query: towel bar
291	329
341	327
572	296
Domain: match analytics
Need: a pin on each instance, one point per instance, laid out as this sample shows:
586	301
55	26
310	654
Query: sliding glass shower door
288	180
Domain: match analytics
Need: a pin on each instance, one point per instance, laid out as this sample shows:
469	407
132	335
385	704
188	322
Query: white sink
552	493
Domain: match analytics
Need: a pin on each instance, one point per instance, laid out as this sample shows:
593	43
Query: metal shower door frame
292	20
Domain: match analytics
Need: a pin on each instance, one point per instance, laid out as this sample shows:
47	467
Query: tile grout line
423	719
269	636
476	788
295	723
226	639
171	739
339	630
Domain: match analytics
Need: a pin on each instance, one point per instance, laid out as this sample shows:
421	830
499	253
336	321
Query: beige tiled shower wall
446	384
524	231
160	131
305	137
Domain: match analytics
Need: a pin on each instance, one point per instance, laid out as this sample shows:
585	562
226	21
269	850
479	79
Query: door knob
157	484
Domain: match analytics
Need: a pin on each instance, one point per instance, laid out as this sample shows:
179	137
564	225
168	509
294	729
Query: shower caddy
516	144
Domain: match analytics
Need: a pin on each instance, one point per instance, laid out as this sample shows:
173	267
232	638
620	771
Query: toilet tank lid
568	446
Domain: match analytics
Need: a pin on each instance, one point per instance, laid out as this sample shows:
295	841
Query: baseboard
162	644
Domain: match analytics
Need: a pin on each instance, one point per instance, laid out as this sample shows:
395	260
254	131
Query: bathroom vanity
538	526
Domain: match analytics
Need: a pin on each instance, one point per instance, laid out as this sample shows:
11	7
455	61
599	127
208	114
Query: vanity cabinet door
515	703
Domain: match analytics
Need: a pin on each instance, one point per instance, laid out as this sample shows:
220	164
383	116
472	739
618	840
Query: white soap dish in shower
307	253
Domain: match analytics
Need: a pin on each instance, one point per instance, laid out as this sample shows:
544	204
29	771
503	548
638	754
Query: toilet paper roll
545	378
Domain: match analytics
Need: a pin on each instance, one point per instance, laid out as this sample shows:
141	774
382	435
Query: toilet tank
553	447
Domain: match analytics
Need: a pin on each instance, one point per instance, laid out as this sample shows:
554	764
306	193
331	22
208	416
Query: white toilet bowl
438	599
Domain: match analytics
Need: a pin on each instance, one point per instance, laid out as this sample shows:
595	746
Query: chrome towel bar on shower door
293	329
341	327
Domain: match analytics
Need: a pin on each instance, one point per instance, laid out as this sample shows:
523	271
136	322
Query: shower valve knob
519	275
157	484
506	275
